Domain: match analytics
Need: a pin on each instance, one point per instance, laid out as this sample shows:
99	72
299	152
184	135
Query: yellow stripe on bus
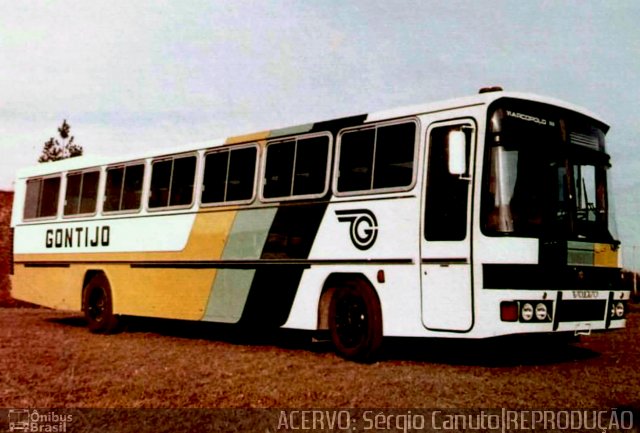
258	136
164	292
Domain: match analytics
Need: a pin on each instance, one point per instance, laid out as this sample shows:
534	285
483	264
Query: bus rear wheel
355	322
98	306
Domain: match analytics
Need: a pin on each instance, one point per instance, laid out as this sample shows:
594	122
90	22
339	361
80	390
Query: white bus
471	218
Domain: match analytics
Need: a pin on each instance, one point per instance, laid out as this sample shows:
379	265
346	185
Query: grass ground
51	360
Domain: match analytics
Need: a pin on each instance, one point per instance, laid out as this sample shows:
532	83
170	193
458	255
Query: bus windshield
545	173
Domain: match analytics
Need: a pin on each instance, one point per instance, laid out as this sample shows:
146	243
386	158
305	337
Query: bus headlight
529	311
619	310
526	312
541	312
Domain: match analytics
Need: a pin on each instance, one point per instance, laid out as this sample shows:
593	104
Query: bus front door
446	239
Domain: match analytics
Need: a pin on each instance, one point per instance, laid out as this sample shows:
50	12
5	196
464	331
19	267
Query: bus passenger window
172	182
124	188
72	195
41	199
296	168
89	196
132	190
113	189
356	160
377	158
229	175
242	173
279	169
184	170
215	177
395	147
82	193
49	198
310	175
32	199
160	182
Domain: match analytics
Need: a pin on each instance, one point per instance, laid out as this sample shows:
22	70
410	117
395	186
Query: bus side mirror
457	140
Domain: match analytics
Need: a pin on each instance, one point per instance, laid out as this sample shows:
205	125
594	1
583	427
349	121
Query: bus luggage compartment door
446	295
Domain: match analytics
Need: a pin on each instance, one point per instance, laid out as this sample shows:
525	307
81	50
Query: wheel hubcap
351	321
97	304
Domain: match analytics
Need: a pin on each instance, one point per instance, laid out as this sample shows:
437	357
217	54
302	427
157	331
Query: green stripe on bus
231	286
300	129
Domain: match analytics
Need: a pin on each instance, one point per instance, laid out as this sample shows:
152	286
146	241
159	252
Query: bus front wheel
98	306
355	321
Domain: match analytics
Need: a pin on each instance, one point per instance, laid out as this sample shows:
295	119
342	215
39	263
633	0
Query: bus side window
160	182
172	182
279	169
113	189
82	193
310	173
446	194
184	171
296	168
377	158
124	188
72	194
215	177
229	175
242	173
49	198
132	190
32	199
395	148
41	198
356	160
89	197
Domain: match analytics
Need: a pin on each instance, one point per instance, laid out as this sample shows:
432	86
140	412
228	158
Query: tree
55	149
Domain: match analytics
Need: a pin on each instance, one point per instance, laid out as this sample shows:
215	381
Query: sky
147	74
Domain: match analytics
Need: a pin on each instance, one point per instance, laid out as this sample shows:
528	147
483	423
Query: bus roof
82	162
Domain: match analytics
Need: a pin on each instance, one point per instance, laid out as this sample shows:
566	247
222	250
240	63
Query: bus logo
363	229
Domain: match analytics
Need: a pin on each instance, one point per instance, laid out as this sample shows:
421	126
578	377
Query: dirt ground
6	199
50	360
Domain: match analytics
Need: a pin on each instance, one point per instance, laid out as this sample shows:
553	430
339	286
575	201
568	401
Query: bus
477	217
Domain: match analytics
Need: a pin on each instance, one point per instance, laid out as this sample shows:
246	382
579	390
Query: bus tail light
509	311
529	311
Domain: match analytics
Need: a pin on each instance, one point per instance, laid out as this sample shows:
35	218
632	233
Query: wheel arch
331	283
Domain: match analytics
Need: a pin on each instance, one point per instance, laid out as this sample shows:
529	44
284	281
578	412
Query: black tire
98	306
355	322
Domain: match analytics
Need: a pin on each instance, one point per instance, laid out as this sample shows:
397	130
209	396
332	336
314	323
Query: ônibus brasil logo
363	228
26	420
